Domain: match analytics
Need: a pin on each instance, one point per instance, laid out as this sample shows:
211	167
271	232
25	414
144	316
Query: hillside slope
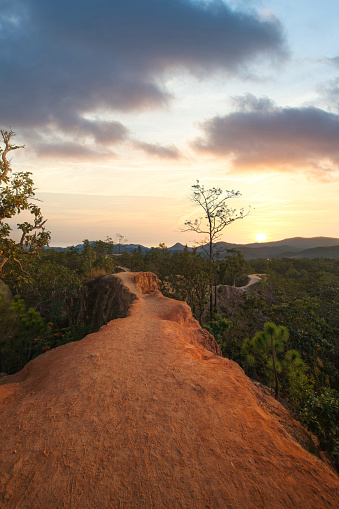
141	415
319	252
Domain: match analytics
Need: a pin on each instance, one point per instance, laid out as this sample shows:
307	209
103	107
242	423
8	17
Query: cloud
334	61
101	132
169	152
70	150
261	135
76	138
61	61
330	93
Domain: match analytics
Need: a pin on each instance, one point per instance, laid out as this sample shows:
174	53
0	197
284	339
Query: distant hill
177	247
319	252
300	242
123	247
296	247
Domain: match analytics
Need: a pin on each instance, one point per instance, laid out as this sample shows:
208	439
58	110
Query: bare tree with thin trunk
216	216
121	241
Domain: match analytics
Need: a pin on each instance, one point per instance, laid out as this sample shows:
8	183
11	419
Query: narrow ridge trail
144	414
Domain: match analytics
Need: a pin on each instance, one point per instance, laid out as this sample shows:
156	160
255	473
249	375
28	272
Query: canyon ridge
145	413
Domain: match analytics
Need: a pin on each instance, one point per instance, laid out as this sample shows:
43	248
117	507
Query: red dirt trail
140	415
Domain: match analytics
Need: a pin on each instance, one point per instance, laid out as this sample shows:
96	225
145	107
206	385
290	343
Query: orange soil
140	415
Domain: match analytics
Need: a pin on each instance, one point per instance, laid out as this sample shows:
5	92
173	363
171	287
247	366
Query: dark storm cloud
168	152
261	135
62	59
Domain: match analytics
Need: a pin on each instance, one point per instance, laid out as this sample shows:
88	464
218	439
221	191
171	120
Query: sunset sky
123	104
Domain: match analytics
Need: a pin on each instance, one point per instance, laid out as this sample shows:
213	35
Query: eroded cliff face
142	415
107	298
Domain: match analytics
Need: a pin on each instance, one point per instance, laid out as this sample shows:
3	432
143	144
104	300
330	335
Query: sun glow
261	237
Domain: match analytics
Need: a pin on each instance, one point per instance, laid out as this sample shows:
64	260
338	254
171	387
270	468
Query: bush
320	413
52	338
25	335
217	326
15	342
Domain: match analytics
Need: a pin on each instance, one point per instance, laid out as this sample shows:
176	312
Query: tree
264	348
15	348
90	256
50	288
188	279
231	267
16	195
9	322
216	216
157	259
235	262
320	414
121	241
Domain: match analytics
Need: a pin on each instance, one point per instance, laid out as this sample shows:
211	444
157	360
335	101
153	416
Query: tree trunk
3	260
215	293
211	279
276	394
211	303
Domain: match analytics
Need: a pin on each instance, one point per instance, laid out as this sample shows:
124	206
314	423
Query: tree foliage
320	413
230	267
188	279
19	327
268	349
16	196
49	287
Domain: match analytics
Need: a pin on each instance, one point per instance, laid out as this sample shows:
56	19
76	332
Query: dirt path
252	280
140	415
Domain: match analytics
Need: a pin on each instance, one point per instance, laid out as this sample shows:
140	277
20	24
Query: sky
123	105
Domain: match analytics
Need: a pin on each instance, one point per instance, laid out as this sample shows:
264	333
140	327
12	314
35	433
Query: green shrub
320	413
52	338
15	340
217	326
24	334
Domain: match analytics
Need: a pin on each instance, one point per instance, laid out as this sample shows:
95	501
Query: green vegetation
47	294
303	296
267	350
16	197
25	334
320	413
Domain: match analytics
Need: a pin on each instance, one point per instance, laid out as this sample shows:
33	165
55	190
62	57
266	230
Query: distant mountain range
296	247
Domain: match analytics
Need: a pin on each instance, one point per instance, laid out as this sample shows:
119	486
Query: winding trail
252	280
141	415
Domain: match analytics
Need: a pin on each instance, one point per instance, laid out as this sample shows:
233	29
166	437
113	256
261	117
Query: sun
261	237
